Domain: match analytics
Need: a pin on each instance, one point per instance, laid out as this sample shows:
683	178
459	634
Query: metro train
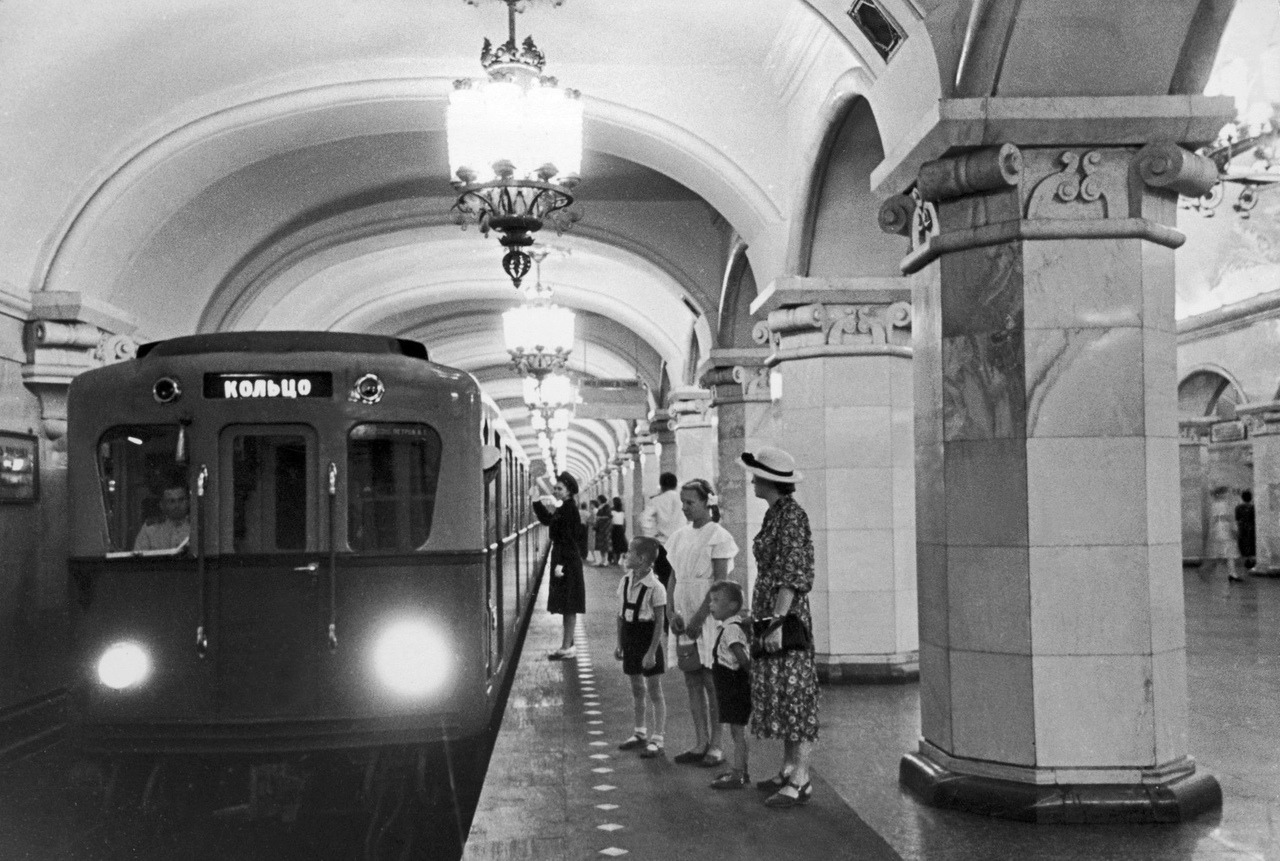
357	563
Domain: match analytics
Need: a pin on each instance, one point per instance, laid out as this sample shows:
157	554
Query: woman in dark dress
784	684
604	523
617	532
567	592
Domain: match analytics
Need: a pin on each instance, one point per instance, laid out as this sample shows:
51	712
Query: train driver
175	529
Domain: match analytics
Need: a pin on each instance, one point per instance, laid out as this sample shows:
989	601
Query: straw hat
772	464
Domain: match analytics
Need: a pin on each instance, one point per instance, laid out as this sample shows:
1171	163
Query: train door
493	561
267	583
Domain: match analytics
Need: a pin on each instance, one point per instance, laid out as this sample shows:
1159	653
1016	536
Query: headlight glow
411	658
123	665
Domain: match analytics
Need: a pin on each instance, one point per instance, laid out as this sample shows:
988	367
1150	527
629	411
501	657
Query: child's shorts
733	694
636	637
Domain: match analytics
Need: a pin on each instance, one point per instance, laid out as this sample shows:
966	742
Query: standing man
663	515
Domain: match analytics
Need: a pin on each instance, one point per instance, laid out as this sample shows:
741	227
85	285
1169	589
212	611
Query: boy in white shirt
640	635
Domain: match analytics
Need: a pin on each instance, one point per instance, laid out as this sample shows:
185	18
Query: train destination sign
269	385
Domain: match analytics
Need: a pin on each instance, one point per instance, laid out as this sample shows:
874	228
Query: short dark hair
617	503
1246	495
668	481
731	589
646	547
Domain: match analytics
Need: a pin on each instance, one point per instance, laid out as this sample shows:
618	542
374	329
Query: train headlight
124	665
411	658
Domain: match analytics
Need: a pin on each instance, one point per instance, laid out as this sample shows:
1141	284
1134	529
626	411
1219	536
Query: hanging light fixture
538	334
515	147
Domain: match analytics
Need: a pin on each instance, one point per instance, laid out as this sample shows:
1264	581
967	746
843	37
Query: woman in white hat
784	683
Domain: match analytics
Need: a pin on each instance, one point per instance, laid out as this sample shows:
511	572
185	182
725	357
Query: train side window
392	471
136	463
272	490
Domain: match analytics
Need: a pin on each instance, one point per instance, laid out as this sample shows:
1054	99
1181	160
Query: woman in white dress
1221	546
701	552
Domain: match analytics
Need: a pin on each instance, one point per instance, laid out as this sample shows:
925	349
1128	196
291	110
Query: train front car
327	586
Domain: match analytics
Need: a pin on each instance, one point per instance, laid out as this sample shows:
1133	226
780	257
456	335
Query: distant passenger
1246	529
567	591
175	529
617	531
663	515
1221	546
643	602
604	523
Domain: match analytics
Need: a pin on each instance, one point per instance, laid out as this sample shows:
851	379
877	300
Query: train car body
356	570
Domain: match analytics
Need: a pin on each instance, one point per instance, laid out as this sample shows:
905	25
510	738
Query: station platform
558	787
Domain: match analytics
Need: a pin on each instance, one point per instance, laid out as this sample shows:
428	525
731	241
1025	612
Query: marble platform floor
558	789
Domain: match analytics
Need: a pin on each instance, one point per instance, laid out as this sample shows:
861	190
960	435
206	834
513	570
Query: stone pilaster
1193	472
693	422
1052	655
841	356
1263	421
739	383
663	428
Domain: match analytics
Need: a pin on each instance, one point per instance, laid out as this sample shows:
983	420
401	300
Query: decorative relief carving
988	169
1166	165
1085	179
836	325
754	380
57	352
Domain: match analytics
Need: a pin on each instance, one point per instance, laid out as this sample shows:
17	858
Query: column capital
662	425
736	375
858	316
955	125
1262	419
1007	193
1195	430
59	350
688	406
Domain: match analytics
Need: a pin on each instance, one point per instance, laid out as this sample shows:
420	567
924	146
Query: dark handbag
687	657
795	634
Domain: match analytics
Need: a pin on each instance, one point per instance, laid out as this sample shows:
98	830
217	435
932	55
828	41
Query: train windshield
144	488
272	482
392	471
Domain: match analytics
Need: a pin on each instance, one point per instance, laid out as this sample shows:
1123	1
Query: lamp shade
515	130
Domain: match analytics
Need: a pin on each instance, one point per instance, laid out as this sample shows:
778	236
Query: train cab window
138	470
392	470
272	489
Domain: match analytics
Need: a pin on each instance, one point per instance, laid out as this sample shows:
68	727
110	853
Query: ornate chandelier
538	334
515	148
1247	153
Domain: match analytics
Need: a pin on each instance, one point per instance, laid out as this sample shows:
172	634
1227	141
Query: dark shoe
689	757
563	654
781	800
773	784
712	759
731	780
634	742
652	750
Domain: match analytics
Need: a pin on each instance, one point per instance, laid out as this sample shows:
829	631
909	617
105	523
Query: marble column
694	426
1052	654
662	426
632	487
1193	471
744	417
1263	421
841	358
648	460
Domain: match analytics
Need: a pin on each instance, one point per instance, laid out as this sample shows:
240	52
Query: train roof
284	342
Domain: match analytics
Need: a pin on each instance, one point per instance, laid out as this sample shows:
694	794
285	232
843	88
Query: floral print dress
784	688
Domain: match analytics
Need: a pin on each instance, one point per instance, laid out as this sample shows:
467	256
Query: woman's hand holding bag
789	632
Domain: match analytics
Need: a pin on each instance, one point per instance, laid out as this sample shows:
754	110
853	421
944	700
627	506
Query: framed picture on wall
19	468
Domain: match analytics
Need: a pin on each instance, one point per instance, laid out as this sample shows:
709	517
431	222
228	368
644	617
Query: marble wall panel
860	498
1169	684
984	381
803	432
1168	612
820	610
812	496
862	623
904	560
902	384
825	576
804	384
1094	711
993	714
859	436
1083	283
935	696
930	492
982	290
1086	490
988	596
986	493
1160	382
931	581
902	437
904	503
867	386
1085	382
1164	524
860	560
1090	600
1192	462
1158	287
